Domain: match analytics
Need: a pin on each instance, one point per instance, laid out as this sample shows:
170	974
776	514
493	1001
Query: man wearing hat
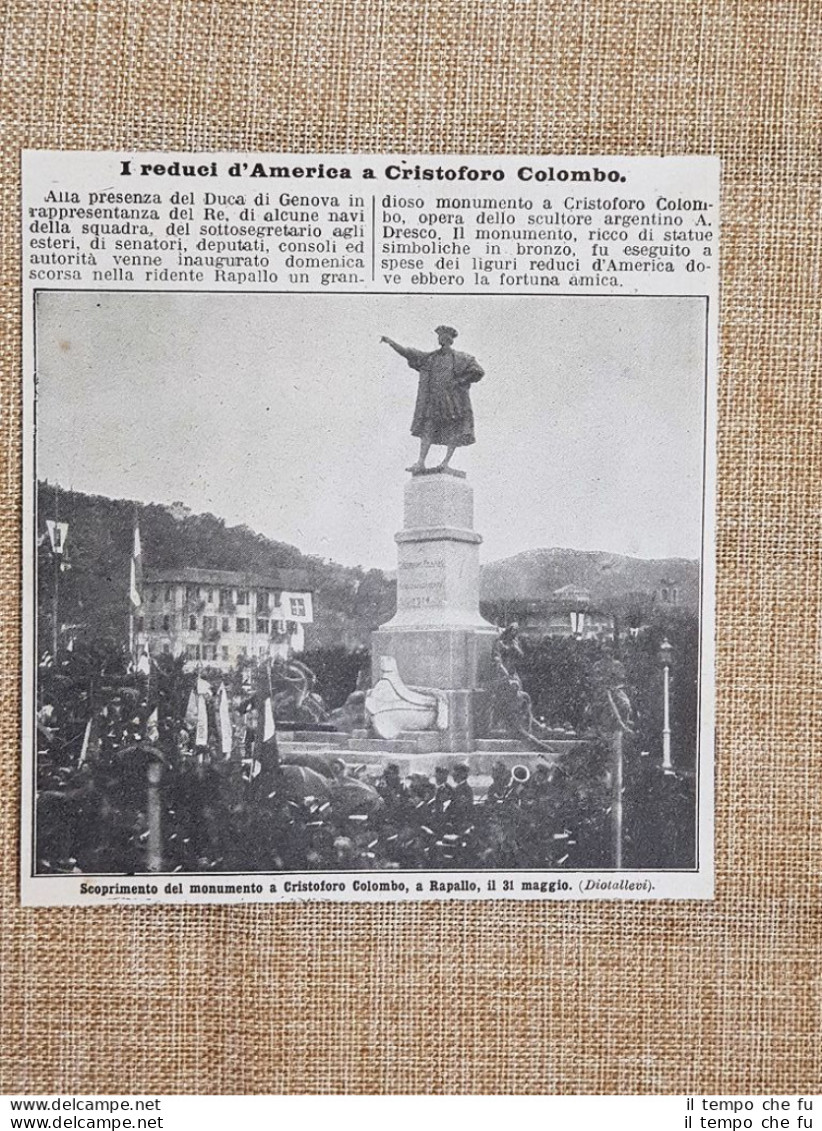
393	793
442	414
443	798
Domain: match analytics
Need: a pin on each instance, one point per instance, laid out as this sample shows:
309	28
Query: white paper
243	336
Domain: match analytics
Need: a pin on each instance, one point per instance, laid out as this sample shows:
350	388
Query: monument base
451	659
454	661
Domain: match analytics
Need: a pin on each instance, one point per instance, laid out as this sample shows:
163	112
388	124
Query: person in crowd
443	800
463	802
539	786
500	781
390	786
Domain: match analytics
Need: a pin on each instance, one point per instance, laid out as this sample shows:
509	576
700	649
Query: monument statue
611	708
511	707
295	698
442	415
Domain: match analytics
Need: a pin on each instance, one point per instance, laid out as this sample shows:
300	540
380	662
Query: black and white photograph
330	583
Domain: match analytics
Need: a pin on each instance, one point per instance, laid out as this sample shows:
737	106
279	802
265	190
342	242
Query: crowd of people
249	807
293	817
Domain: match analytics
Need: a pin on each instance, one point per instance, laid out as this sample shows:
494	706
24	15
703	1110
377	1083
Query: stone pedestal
438	637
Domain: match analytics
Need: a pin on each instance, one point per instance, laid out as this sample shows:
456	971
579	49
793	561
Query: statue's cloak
443	410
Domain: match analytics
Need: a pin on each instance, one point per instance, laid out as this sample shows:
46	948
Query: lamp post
665	654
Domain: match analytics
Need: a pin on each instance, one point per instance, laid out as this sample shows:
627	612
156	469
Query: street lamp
665	656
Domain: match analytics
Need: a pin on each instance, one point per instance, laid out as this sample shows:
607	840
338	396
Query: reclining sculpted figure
392	707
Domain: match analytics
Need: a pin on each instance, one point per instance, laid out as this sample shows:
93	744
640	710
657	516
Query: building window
152	624
169	593
192	623
243	624
242	596
225	652
191	592
154	596
242	651
226	624
210	596
209	624
298	606
262	627
262	600
193	651
166	624
226	601
278	598
209	651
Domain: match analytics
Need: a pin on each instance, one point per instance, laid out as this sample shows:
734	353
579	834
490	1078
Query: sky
287	413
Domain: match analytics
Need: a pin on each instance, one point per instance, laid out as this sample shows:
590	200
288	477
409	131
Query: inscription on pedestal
421	584
426	563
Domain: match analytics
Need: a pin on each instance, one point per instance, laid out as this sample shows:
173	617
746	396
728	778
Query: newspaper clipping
369	512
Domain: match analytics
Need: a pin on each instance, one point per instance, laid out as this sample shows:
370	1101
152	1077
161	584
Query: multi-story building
667	592
217	617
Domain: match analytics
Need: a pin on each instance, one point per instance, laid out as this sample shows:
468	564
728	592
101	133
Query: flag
152	727
136	571
57	534
269	729
201	738
144	662
191	710
224	720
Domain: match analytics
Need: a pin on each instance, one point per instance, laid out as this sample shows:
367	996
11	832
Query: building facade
667	593
217	618
568	612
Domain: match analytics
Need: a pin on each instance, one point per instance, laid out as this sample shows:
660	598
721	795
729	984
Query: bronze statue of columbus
442	414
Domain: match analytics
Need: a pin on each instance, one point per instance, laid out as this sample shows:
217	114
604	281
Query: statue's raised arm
401	350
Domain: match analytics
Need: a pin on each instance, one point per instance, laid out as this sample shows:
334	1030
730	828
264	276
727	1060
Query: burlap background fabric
716	997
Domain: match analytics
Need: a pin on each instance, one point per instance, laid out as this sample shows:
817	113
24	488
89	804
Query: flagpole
56	610
56	556
132	586
135	584
131	596
616	796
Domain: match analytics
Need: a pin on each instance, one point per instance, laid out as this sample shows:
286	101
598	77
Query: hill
350	601
537	574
